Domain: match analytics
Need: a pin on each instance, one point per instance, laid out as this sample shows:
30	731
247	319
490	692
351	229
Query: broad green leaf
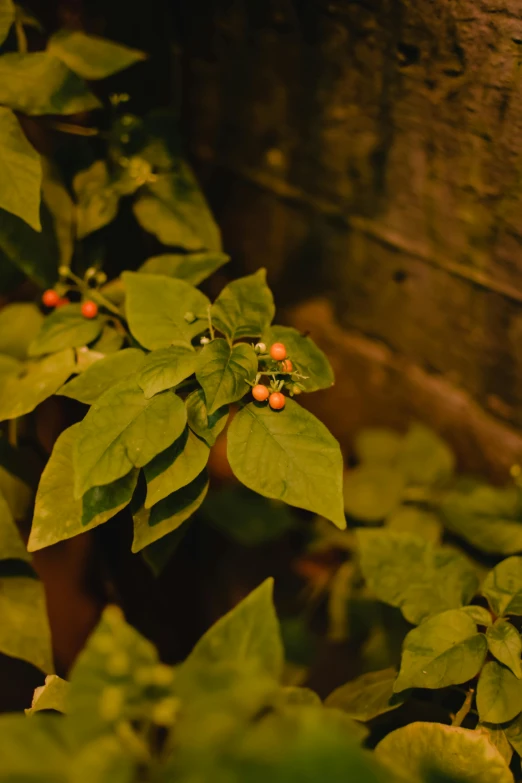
247	635
371	492
116	677
407	571
497	737
245	307
377	445
445	650
11	544
288	455
424	458
192	267
166	516
38	83
167	367
479	615
175	467
90	56
503	587
368	696
66	327
103	374
411	519
499	694
455	753
52	695
20	394
57	514
224	372
246	517
205	426
505	644
24	630
9	365
306	357
34	252
97	199
490	518
156	308
7	16
294	696
34	751
124	430
105	760
20	170
110	341
513	732
61	207
20	322
15	489
174	209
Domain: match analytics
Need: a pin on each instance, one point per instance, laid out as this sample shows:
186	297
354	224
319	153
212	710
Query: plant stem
21	38
12	432
464	710
211	328
75	130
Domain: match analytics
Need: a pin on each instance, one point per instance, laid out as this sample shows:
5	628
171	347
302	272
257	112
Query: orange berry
287	366
278	352
89	309
50	298
260	393
277	401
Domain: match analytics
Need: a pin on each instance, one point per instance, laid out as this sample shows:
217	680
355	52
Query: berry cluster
260	392
52	298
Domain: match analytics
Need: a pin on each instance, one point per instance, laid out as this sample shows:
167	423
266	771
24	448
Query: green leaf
288	455
499	694
205	426
371	492
479	615
306	357
33	751
166	516
103	374
174	209
20	322
294	696
497	737
34	252
246	517
455	753
410	519
503	587
445	650
24	630
192	267
20	170
11	545
513	732
38	83
57	514
175	467
105	760
52	695
245	307
377	445
97	199
424	458
225	371
91	57
368	696
490	518
156	308
65	328
62	209
247	635
407	571
20	394
505	644
7	16
167	367
124	430
15	484
116	678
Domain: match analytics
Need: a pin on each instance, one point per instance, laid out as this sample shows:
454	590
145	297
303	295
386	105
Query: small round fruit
62	301
287	366
260	393
278	352
50	298
277	401
89	309
260	348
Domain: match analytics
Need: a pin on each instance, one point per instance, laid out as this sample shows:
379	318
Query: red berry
62	301
50	298
277	401
287	366
260	393
278	352
89	309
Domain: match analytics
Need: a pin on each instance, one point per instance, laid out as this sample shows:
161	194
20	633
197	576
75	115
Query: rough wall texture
371	150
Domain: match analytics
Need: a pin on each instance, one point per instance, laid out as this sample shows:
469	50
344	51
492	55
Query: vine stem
95	295
458	719
21	38
210	327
